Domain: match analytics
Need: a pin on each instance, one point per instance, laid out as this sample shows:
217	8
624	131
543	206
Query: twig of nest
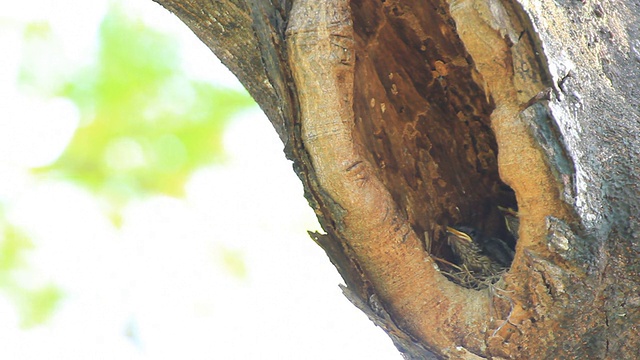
465	278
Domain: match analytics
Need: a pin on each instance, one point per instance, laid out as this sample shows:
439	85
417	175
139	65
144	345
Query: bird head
462	234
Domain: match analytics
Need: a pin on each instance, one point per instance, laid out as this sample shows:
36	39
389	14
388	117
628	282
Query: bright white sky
131	292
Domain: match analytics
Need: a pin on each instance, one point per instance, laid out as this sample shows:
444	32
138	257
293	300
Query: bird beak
508	211
459	234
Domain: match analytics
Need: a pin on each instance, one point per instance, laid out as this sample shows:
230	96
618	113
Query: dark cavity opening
423	117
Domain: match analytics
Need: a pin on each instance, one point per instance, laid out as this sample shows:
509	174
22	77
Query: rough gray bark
403	117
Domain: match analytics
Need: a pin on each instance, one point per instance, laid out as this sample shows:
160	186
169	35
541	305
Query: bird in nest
482	256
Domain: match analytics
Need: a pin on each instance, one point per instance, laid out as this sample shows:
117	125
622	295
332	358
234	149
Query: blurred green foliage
36	303
234	262
145	126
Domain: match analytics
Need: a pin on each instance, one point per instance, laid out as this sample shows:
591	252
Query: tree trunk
405	117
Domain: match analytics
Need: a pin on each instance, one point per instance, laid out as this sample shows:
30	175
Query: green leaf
37	306
145	125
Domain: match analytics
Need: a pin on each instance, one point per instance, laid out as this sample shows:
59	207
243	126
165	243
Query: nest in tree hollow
480	261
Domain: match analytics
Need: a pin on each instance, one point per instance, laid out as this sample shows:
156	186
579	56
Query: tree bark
404	117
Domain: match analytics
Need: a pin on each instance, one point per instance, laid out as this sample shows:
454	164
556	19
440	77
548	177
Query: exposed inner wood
423	116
